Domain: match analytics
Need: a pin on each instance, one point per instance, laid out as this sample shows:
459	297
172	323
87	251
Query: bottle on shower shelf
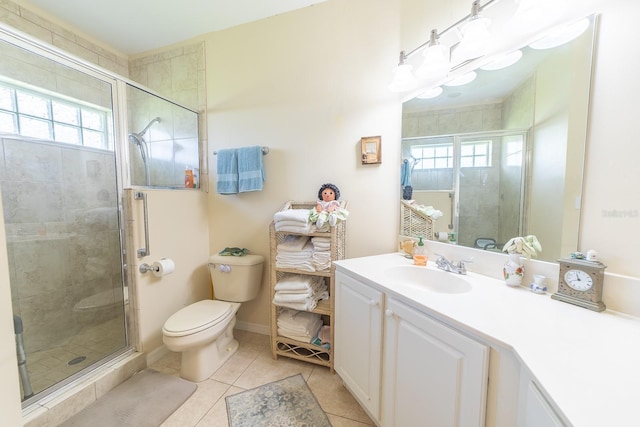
188	177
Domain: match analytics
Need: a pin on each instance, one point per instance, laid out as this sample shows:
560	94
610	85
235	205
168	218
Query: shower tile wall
41	28
60	210
178	74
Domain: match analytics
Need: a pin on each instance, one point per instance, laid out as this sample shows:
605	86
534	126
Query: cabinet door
534	409
358	340
432	374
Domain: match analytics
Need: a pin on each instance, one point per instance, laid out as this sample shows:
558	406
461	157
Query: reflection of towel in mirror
250	169
227	174
405	174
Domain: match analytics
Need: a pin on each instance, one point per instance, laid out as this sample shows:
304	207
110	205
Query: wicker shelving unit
283	346
414	223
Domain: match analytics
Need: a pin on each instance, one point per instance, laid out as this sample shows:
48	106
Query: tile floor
250	367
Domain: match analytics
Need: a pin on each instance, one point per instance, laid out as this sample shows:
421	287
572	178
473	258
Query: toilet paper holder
145	268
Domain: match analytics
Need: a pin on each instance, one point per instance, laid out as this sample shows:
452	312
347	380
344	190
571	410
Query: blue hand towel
250	169
405	174
227	174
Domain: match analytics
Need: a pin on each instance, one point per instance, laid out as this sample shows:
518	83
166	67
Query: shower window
40	115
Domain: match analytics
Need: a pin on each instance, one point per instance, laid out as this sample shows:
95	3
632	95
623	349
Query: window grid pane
8	122
434	156
65	113
35	128
33	105
475	154
23	112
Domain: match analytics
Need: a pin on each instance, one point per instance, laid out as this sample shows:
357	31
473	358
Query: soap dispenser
419	257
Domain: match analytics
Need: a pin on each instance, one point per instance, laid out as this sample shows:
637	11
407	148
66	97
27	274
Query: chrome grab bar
139	195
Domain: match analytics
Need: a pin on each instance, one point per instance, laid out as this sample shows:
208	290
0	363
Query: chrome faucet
444	264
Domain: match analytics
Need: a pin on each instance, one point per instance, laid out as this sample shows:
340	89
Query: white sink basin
432	280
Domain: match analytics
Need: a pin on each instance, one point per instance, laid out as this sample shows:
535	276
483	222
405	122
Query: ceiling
134	26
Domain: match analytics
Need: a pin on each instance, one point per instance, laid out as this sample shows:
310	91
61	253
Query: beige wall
307	84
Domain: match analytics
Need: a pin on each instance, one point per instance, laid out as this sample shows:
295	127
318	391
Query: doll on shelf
327	210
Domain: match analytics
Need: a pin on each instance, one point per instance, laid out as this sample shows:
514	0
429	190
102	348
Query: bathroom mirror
503	156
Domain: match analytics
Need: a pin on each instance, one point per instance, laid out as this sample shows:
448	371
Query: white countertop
587	362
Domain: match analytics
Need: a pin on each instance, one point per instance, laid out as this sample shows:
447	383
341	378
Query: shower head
135	138
146	128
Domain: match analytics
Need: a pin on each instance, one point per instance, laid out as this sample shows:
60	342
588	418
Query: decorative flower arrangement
528	246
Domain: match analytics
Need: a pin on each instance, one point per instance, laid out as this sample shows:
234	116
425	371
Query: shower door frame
34	46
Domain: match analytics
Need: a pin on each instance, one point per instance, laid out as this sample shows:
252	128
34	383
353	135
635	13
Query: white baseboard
157	354
253	327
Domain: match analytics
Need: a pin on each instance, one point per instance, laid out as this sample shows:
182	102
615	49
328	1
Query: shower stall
66	155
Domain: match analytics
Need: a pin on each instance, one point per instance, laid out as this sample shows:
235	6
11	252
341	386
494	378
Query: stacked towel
250	169
298	325
321	257
300	292
292	220
296	259
227	174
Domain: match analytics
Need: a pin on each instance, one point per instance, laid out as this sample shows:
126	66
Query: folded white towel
297	282
290	223
302	229
299	215
304	306
299	322
303	266
318	239
293	243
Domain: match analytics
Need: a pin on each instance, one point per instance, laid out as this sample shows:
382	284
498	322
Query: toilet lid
196	317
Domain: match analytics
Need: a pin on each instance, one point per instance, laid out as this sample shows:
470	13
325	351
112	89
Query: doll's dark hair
331	186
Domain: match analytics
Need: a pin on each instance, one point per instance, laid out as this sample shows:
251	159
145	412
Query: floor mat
284	403
144	400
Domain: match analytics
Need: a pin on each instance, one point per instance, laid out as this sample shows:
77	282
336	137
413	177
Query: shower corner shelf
287	347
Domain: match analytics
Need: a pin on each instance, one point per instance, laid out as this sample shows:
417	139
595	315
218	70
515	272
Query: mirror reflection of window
534	115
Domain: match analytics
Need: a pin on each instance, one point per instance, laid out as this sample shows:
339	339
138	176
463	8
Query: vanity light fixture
562	35
474	36
430	93
436	59
403	79
503	61
462	80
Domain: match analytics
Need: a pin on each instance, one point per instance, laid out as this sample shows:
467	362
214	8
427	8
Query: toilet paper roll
442	236
163	266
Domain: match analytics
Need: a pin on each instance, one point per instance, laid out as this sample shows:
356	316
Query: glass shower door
60	198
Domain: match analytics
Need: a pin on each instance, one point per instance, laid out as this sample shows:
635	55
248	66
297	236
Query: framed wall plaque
371	149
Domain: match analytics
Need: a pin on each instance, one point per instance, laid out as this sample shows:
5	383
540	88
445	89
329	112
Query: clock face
578	280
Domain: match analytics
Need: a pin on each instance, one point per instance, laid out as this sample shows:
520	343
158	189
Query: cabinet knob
388	313
373	303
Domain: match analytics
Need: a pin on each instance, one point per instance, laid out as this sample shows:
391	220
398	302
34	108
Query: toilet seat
197	317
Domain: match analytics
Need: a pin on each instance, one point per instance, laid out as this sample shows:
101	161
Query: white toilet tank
236	278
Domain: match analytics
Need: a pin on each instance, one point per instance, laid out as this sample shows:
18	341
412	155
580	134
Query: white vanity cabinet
432	374
358	311
404	367
534	409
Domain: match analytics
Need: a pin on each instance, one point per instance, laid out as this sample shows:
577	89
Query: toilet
101	307
203	331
